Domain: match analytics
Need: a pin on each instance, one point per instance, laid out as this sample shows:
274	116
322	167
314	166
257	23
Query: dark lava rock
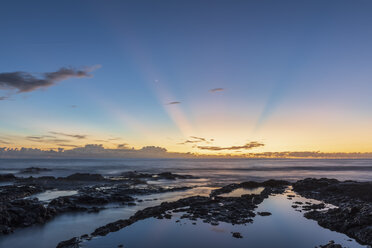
264	213
171	176
11	192
85	177
235	210
237	235
331	244
23	213
274	184
163	175
71	243
313	206
353	215
7	177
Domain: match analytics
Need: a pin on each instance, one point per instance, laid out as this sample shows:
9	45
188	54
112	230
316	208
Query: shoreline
94	192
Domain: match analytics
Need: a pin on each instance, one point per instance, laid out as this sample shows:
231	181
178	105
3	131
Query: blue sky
296	74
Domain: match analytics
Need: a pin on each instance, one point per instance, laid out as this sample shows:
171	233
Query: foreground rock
331	244
18	209
213	209
353	215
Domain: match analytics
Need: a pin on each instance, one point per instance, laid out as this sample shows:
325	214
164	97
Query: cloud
198	138
194	139
73	106
27	82
216	90
77	136
46	139
247	146
67	145
173	103
123	146
4	142
3	98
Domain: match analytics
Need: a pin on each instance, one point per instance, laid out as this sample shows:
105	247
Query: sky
205	77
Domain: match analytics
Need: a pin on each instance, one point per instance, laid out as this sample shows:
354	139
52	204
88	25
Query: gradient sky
294	75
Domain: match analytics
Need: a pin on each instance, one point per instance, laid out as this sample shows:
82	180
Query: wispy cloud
21	81
216	90
173	103
77	136
247	146
4	142
46	139
67	145
194	139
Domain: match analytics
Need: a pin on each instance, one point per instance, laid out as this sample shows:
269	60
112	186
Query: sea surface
214	169
284	228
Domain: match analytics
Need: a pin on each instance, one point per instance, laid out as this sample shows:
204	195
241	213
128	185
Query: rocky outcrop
353	215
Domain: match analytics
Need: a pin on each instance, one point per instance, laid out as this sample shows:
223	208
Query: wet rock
7	177
237	235
71	243
313	206
264	213
84	177
22	213
274	184
353	215
331	244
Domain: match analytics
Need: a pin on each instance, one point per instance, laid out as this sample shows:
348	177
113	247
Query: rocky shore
353	201
345	207
19	209
212	209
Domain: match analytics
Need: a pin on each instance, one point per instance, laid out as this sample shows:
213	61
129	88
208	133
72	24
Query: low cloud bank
123	151
247	146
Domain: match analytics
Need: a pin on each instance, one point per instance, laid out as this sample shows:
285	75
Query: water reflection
284	228
243	191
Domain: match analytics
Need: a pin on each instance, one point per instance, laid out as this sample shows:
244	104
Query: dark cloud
73	106
216	90
26	82
173	103
123	146
3	98
77	136
247	146
198	138
67	145
194	139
